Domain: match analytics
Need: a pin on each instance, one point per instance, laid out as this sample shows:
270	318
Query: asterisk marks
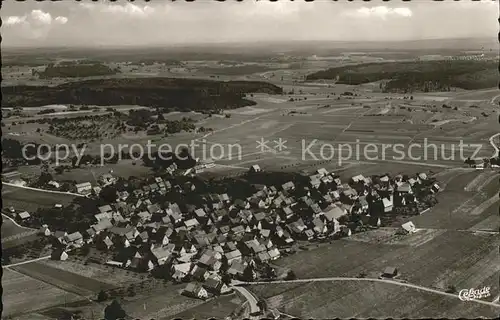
262	145
280	144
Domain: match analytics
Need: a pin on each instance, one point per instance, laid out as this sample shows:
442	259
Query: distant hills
409	76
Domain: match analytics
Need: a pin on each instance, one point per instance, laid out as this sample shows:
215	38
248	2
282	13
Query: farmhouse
59	254
255	168
83	188
24	215
409	227
195	290
390	272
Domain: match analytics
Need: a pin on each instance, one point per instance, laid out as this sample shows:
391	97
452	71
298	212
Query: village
223	238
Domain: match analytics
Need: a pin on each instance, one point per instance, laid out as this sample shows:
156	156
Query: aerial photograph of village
248	160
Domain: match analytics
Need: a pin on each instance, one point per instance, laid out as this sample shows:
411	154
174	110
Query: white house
83	188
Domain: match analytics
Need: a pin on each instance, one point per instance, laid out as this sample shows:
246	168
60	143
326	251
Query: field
22	294
31	200
218	308
450	258
343	299
68	281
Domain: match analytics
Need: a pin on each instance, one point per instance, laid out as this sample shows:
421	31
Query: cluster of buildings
222	237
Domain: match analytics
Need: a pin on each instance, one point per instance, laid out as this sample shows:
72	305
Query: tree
290	275
451	289
108	194
102	296
114	311
248	273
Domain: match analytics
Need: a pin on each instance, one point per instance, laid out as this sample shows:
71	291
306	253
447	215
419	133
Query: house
408	227
60	236
435	188
388	204
191	223
102	225
358	179
181	271
322	172
236	269
107	179
209	260
105	243
200	213
334	213
195	290
233	255
288	186
54	184
404	188
24	215
74	239
44	230
390	272
274	253
314	181
363	203
106	208
83	188
215	286
255	168
103	215
199	273
59	254
263	256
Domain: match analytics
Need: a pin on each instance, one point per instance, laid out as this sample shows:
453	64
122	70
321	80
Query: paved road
235	284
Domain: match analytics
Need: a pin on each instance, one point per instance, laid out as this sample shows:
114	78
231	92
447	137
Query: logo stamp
472	294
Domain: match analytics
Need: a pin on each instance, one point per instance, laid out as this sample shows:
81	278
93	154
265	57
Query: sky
162	22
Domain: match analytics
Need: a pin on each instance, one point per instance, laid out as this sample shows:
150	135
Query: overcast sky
161	22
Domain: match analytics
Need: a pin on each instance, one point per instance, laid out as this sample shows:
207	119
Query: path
26	262
254	309
235	284
16	224
43	190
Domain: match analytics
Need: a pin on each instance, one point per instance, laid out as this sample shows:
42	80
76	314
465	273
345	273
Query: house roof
408	226
233	254
183	267
386	202
105	208
74	236
334	213
236	268
200	212
24	215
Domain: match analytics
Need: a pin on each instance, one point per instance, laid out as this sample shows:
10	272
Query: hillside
417	75
181	94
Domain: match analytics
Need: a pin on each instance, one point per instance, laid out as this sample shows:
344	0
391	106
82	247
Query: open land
450	247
